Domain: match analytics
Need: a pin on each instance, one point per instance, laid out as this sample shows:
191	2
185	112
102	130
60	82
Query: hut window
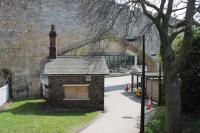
76	91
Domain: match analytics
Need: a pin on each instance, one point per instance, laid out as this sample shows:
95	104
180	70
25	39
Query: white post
4	96
135	63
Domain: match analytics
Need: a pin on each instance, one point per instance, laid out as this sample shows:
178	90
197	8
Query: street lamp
135	38
143	80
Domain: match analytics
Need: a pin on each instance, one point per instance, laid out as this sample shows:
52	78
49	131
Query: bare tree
170	17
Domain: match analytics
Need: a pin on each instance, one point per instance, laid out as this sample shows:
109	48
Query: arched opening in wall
119	55
8	75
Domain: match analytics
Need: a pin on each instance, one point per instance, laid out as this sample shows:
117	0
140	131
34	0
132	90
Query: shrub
157	123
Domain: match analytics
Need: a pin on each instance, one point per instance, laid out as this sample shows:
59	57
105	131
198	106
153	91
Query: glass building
115	58
121	61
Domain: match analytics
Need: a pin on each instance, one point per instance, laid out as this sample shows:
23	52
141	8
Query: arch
73	46
151	63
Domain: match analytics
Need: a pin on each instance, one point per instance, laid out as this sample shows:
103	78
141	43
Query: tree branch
104	28
182	24
162	4
174	34
169	10
197	9
178	25
150	16
178	9
187	39
152	6
196	23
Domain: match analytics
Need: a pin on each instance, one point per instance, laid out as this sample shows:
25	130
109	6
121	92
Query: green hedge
190	74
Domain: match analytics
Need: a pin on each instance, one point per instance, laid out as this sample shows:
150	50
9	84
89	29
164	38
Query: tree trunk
173	103
172	88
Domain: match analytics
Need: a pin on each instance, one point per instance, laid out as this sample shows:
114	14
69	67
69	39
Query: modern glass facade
120	61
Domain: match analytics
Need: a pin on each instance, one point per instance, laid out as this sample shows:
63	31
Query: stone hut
74	82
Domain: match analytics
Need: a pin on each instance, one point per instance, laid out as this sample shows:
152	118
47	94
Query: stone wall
24	50
96	92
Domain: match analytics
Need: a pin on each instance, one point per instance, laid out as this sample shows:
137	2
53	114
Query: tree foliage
176	45
190	72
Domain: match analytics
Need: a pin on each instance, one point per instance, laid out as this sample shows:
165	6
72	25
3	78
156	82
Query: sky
177	5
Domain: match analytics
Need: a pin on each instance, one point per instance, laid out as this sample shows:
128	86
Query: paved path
122	109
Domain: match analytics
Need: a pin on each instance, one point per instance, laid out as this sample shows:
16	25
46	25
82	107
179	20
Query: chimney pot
52	48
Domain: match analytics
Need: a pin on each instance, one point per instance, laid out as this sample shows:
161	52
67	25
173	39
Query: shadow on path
131	96
114	88
136	120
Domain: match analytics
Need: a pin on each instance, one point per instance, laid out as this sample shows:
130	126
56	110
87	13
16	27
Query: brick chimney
52	48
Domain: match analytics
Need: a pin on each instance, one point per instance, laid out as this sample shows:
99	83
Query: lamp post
132	77
142	118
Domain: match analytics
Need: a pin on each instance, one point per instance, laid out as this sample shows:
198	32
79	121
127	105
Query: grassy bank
190	122
157	122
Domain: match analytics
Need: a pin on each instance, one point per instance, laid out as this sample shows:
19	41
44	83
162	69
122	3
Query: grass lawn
29	116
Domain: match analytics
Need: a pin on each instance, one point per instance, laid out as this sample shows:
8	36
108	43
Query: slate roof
76	65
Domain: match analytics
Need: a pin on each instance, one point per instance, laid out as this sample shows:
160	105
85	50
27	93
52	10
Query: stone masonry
96	92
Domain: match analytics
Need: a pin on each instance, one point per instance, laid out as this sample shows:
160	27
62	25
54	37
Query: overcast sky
177	5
